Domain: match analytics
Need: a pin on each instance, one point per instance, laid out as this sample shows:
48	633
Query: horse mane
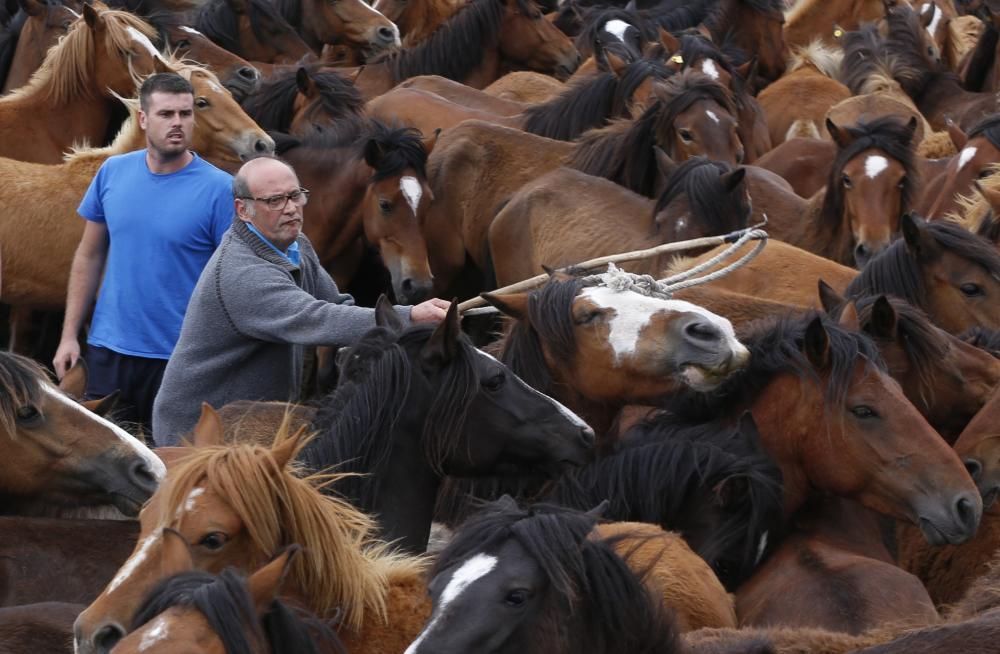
894	271
591	586
888	134
457	47
290	11
217	20
590	102
401	148
677	16
67	72
911	66
720	21
775	348
661	469
825	59
623	152
865	56
700	179
356	420
21	381
272	106
982	58
341	567
595	19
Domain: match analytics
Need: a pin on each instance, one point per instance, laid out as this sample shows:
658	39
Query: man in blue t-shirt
154	218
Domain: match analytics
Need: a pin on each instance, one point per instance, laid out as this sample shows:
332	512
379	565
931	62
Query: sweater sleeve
326	288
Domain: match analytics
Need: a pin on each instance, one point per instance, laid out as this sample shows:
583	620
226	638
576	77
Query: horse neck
942	93
81	120
845	524
422	19
488	70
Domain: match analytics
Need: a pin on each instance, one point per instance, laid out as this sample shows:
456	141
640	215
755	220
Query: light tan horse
41	228
70	99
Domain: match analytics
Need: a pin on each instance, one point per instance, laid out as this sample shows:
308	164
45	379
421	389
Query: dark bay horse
415	404
296	101
349	22
41	23
252	29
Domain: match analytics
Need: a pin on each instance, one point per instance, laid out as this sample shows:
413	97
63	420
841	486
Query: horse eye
516	598
213	541
183	43
589	317
685	135
983	174
27	414
864	412
385	206
495	383
847	181
971	290
201	103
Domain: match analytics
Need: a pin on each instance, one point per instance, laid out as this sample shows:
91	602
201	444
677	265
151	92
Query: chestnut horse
70	99
237	505
60	455
979	152
43	22
416	19
252	29
47	196
349	22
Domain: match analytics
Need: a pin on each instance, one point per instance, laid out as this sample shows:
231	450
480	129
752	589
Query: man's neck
158	165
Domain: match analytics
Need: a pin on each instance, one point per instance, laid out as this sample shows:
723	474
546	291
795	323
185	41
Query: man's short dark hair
162	83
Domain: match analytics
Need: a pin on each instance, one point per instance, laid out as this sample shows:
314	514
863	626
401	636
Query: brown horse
44	23
475	45
60	455
466	95
525	86
70	99
223	134
417	19
821	19
237	505
566	217
756	28
349	22
252	29
979	152
297	101
567	341
976	445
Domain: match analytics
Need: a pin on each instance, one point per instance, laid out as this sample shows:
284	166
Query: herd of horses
802	455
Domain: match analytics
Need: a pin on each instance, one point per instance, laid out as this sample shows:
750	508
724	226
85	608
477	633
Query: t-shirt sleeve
92	206
222	211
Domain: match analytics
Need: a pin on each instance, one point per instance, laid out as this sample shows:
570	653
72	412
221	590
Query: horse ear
374	152
74	382
816	345
285	450
730	491
748	71
386	316
514	305
919	242
208	431
831	301
442	347
669	42
93	19
103	406
732	179
305	83
664	163
32	7
842	137
160	66
507	503
264	584
175	556
958	137
599	510
927	11
888	5
884	319
849	318
431	141
616	64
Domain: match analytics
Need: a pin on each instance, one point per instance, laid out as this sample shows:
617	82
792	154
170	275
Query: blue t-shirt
162	231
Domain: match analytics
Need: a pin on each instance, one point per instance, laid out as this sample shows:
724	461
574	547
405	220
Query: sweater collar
264	250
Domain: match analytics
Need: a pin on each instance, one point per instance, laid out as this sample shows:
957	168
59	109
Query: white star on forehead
412	191
874	165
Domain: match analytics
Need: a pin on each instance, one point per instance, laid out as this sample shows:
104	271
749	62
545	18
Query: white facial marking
708	67
938	14
133	562
617	28
966	156
565	411
634	311
153	462
72	12
711	114
156	633
761	546
874	165
215	87
191	30
475	568
144	41
412	191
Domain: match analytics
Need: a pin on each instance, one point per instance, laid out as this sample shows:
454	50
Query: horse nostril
386	34
974	467
249	73
407	285
702	331
588	437
140	474
260	145
965	510
107	637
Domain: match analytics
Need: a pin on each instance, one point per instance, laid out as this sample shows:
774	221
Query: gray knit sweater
249	317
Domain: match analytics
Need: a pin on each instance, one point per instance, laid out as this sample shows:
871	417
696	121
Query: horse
419	403
369	183
238	504
976	444
416	21
252	29
44	22
70	98
297	101
60	455
474	47
351	22
567	216
41	627
47	195
756	28
816	19
201	613
979	152
712	484
558	589
817	392
597	349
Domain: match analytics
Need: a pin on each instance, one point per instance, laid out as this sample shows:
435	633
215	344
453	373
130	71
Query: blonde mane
341	566
826	59
973	208
68	70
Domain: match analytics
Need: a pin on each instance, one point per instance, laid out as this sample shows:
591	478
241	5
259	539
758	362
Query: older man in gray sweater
261	298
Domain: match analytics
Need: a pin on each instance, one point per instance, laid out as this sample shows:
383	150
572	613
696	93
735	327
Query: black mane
595	20
988	128
911	65
591	102
19	387
272	106
400	148
719	210
217	20
10	33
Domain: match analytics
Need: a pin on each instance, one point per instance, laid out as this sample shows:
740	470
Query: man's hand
66	356
433	310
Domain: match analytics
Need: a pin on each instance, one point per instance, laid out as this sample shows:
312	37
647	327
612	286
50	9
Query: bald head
263	178
243	186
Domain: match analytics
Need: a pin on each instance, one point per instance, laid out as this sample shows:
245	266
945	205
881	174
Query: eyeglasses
299	196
